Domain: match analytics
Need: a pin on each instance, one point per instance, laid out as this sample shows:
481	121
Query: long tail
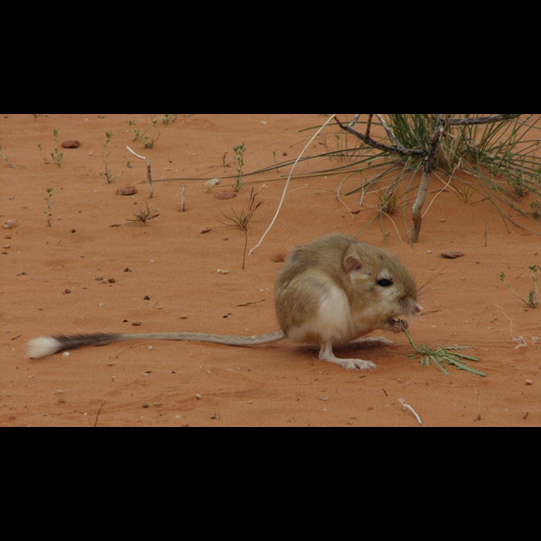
45	346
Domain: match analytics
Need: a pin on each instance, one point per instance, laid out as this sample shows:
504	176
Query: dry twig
149	171
288	182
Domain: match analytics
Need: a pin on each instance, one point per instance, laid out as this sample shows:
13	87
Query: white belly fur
333	322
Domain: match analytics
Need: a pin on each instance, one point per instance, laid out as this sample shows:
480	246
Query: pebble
212	183
279	257
127	190
71	143
452	255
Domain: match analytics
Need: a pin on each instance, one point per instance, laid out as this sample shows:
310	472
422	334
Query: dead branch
367	138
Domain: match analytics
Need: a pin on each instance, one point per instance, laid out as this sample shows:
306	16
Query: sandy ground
92	271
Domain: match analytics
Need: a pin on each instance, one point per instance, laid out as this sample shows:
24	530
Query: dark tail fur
43	347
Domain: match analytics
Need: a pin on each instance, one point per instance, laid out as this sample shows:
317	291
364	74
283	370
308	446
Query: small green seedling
150	136
239	158
243	218
144	216
57	156
444	356
108	174
533	297
5	158
49	200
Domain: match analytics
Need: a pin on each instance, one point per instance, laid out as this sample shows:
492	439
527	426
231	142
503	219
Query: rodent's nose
418	309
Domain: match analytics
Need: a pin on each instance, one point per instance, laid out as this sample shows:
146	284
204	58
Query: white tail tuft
43	347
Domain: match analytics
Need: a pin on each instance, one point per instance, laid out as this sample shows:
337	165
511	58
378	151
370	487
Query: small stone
452	255
71	143
279	257
127	190
211	183
529	382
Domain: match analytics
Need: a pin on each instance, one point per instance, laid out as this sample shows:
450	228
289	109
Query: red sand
93	272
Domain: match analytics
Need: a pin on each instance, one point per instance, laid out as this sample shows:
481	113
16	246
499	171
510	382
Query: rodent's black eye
385	283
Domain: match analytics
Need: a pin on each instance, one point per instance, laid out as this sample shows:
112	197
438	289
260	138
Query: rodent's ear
354	263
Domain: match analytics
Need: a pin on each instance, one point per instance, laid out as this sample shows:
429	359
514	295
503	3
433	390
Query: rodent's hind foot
356	364
368	343
326	354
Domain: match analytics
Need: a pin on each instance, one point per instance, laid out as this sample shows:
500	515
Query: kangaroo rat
328	293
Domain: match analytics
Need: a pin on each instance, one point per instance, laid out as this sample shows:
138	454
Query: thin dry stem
286	187
149	171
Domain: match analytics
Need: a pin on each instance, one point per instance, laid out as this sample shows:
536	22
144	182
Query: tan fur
327	293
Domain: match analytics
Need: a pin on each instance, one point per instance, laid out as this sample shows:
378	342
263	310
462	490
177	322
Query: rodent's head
380	280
